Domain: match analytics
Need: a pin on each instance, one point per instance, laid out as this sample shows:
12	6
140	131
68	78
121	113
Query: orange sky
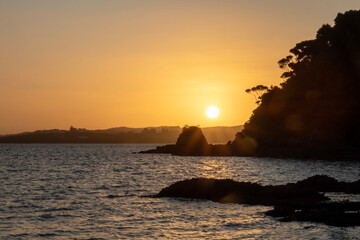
101	64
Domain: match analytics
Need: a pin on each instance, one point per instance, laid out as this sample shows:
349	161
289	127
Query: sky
101	64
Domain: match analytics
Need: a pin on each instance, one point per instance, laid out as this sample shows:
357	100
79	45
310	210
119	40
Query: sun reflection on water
211	168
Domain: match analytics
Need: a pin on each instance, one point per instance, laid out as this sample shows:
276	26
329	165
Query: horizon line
102	129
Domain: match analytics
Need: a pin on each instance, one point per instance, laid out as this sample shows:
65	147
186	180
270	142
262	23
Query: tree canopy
318	104
257	92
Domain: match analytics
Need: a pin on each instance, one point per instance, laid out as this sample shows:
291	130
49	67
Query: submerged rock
300	201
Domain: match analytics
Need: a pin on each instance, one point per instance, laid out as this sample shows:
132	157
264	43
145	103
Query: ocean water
68	191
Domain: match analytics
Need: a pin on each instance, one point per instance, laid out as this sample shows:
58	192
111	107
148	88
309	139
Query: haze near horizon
102	64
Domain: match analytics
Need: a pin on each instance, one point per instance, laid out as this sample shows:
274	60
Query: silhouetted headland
192	142
300	201
314	113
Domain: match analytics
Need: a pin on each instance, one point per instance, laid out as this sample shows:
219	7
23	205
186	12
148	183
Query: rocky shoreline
192	142
301	201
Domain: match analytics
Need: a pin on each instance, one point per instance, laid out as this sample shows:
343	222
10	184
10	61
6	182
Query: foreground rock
342	214
301	201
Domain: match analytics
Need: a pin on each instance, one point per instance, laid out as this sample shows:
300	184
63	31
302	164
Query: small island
314	113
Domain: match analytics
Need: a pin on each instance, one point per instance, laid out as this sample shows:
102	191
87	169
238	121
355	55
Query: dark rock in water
301	201
323	183
192	142
343	214
229	191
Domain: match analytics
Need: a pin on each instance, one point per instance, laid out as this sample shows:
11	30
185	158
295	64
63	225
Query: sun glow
212	112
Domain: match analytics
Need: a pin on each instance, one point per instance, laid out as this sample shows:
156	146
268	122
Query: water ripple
65	191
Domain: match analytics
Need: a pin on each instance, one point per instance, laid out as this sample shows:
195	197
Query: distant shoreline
120	135
192	142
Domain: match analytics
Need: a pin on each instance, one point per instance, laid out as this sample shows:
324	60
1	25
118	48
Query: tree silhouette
317	105
257	92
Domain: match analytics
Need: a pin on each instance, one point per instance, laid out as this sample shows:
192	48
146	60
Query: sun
212	112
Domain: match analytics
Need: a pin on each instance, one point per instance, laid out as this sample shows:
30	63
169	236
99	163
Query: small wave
233	225
47	234
118	186
19	235
119	196
14	170
102	187
46	216
57	209
23	206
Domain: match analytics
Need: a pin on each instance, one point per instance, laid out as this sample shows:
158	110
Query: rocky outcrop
301	201
192	142
230	191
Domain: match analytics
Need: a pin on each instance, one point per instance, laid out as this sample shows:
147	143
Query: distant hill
162	134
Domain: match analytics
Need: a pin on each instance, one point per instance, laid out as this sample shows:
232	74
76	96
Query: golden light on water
213	168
